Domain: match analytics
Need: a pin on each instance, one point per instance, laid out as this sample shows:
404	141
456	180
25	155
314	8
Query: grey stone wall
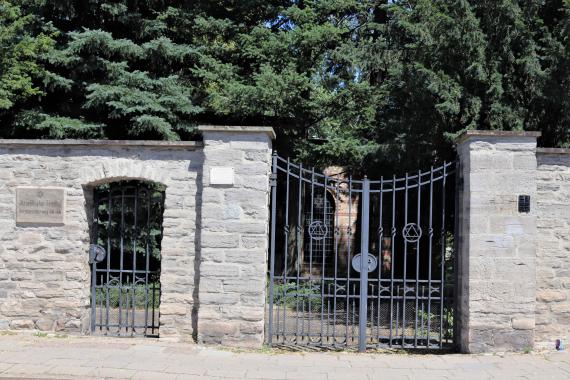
44	271
214	237
234	238
497	246
553	250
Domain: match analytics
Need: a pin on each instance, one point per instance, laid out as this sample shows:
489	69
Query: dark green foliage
21	42
377	85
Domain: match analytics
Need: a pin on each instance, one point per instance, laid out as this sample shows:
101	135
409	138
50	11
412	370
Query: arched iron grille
403	228
125	277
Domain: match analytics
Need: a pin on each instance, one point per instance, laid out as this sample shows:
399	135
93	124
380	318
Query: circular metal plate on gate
318	230
96	253
372	262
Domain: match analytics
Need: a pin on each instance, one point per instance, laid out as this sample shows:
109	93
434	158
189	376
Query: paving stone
273	374
27	369
114	373
188	361
295	375
153	375
70	370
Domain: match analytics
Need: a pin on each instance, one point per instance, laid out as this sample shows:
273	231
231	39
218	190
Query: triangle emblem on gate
412	232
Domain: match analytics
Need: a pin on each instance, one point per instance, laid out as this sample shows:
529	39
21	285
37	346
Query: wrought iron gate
125	258
336	241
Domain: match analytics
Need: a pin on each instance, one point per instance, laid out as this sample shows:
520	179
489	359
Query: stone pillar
234	237
497	242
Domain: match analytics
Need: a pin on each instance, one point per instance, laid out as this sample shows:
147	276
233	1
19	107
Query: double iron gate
361	263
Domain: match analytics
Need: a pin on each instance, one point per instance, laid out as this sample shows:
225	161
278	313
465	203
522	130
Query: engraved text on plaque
40	205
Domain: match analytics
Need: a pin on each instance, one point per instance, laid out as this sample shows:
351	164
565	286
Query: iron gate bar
310	247
364	265
417	262
323	259
405	266
272	248
298	246
108	261
336	237
442	287
147	267
380	236
430	232
349	261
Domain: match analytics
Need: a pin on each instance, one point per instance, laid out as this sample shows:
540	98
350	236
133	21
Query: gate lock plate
372	262
96	253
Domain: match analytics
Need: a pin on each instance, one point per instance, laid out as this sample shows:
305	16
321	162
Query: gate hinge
273	179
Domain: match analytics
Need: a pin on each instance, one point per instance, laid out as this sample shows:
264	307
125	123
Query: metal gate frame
122	283
364	188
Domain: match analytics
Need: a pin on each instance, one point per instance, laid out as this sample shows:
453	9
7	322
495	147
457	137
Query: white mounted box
222	175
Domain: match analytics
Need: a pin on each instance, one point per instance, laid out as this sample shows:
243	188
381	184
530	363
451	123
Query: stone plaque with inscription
39	205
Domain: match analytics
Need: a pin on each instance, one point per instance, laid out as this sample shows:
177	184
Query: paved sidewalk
33	357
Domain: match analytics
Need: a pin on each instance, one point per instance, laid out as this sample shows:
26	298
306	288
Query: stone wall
497	243
513	266
234	238
214	237
44	270
553	253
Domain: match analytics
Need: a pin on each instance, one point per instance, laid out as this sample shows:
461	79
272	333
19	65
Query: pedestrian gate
361	263
125	258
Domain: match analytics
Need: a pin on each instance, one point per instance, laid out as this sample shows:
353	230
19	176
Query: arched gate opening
125	258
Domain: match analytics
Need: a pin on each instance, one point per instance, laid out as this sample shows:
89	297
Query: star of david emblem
412	232
318	230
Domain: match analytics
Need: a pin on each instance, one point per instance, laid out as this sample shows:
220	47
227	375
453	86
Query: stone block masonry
497	242
234	237
513	263
214	237
44	270
553	249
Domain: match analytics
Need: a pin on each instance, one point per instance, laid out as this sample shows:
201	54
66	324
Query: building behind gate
176	240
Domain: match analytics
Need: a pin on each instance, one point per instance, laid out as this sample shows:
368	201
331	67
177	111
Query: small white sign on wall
221	175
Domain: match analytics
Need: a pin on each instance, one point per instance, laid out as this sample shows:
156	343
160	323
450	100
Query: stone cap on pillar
499	134
238	129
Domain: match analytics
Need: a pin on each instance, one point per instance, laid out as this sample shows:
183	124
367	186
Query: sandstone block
22	324
523	323
45	324
218	240
218	328
550	296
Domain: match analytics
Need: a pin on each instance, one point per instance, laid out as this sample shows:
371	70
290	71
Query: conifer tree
372	84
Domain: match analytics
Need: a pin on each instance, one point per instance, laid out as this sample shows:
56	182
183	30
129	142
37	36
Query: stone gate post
497	241
234	238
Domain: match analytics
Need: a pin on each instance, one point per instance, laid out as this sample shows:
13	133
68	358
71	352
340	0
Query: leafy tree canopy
364	83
